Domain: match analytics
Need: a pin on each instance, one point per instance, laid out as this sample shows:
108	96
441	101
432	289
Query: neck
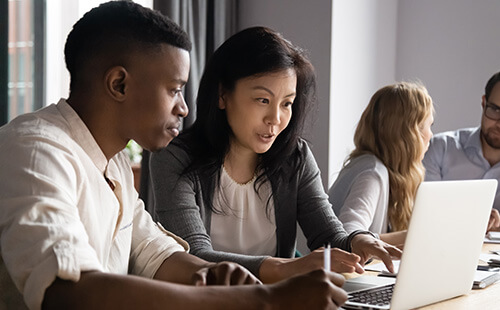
99	124
241	165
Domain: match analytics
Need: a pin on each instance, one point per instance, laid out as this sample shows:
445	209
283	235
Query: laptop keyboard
378	296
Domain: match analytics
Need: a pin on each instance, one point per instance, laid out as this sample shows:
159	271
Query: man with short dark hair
73	232
471	153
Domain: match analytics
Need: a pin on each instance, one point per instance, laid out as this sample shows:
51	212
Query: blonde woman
376	188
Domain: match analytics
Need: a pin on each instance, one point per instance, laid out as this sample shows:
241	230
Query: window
23	91
32	48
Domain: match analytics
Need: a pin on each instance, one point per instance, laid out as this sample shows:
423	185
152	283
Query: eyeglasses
492	111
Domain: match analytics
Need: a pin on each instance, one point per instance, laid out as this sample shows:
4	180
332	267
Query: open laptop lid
444	240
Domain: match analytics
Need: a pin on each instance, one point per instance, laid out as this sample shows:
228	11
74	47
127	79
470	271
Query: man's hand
319	289
494	222
224	273
366	246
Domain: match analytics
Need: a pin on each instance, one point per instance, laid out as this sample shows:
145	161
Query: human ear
115	80
483	101
222	103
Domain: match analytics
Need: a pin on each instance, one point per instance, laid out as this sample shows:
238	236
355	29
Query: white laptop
441	250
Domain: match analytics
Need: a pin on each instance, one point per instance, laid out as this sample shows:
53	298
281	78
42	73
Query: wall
61	15
363	60
308	25
453	46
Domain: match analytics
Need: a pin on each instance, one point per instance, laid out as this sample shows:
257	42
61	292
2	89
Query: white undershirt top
244	227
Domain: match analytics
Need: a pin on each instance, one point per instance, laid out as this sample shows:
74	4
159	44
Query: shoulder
454	139
366	163
41	130
43	123
454	135
304	149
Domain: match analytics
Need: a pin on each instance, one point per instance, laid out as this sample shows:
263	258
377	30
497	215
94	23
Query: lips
266	137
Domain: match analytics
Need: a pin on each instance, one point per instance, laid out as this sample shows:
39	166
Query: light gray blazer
180	209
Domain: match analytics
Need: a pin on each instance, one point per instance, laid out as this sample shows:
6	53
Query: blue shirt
458	155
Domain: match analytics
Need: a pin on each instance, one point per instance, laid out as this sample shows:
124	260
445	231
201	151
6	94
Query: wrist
271	269
355	233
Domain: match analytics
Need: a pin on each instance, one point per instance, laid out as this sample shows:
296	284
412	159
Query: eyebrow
493	104
270	92
180	81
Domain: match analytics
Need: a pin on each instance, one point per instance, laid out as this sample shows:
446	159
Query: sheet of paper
488	240
381	267
485	257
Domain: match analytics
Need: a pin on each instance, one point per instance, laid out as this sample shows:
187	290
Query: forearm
250	262
180	268
270	270
396	238
96	290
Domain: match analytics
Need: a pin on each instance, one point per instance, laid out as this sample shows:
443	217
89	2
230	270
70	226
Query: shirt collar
82	135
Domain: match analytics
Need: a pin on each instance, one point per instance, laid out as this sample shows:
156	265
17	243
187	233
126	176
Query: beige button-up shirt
58	215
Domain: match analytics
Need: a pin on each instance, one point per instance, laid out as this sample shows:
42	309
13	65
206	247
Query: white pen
326	256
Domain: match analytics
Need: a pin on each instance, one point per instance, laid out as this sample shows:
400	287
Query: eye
263	100
177	91
288	104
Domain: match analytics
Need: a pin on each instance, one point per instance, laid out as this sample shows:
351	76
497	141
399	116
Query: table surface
485	299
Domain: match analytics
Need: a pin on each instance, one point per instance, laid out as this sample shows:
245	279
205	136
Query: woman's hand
275	269
366	246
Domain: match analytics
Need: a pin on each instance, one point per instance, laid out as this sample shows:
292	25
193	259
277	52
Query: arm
179	207
313	203
314	212
367	201
274	269
97	290
396	238
185	268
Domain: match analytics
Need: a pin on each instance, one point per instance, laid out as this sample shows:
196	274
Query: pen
326	256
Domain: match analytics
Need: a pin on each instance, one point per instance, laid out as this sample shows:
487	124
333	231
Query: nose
181	107
272	116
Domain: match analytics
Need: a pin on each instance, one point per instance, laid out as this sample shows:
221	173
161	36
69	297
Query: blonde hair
390	129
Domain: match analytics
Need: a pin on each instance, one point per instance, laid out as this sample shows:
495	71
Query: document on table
481	279
492	237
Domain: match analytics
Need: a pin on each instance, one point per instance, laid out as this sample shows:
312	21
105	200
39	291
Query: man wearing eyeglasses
471	153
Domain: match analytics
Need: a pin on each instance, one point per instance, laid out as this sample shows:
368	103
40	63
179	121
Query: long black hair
252	52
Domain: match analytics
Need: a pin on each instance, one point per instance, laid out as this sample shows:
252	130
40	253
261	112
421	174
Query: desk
484	299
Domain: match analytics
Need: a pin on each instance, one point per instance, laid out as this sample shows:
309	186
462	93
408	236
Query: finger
223	274
335	278
339	296
342	267
200	277
344	256
240	276
490	225
496	218
394	252
348	268
358	268
252	280
386	258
